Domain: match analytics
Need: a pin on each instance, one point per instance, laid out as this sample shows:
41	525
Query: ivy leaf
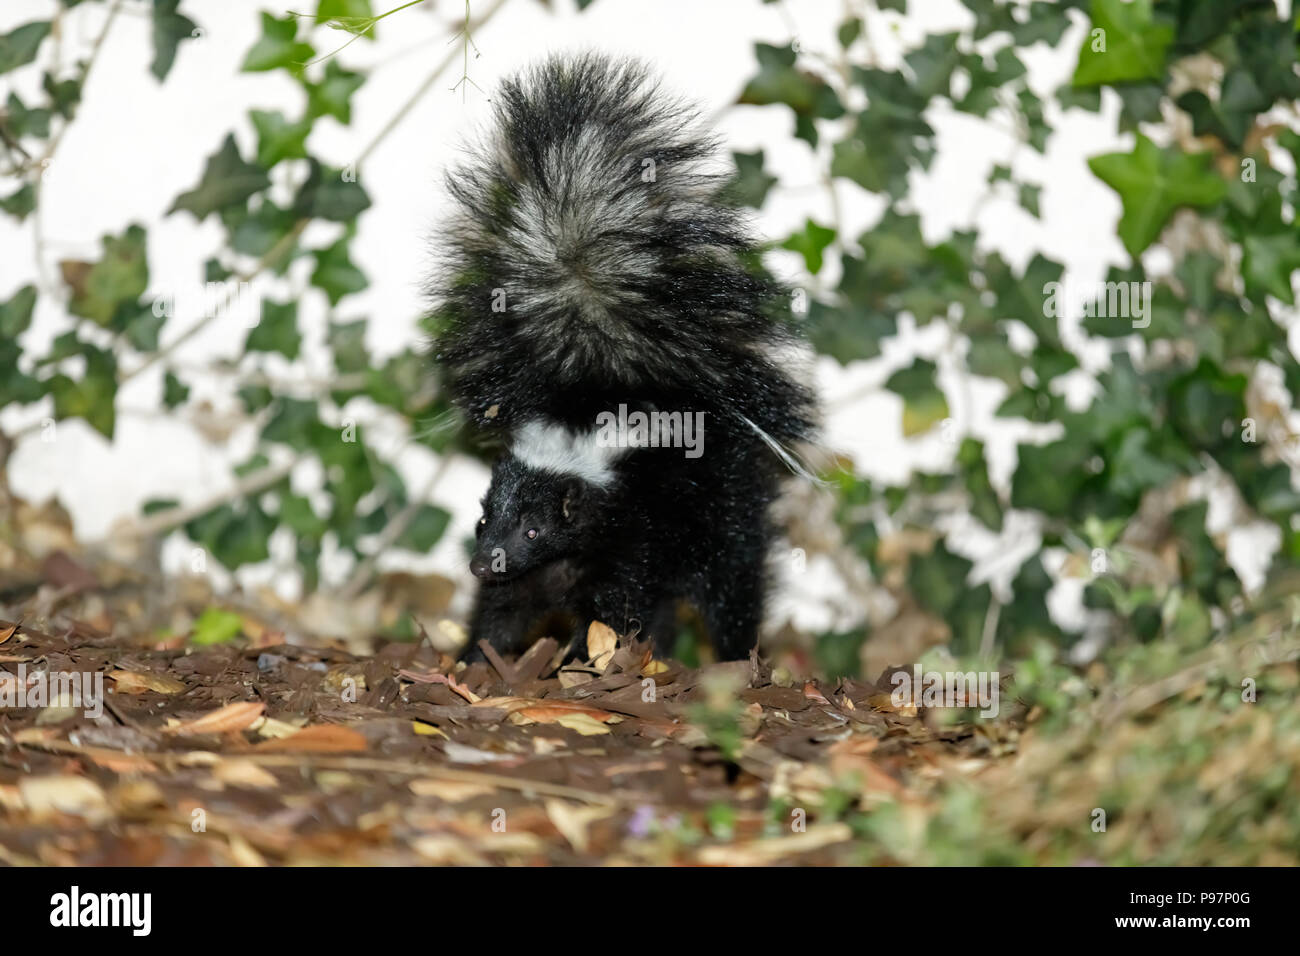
215	626
256	233
811	243
1131	46
347	340
779	81
1152	183
63	94
848	32
751	183
21	202
16	314
101	289
175	392
277	138
276	331
18	47
1048	477
974	473
24	122
354	16
278	47
1269	262
331	194
227	181
1029	198
169	29
933	63
425	530
332	96
335	274
923	402
92	398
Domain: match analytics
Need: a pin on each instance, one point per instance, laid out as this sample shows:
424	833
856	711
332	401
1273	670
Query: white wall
135	145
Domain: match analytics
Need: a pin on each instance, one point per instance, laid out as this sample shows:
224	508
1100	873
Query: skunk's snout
480	567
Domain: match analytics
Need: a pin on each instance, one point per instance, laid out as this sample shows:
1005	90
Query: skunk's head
532	517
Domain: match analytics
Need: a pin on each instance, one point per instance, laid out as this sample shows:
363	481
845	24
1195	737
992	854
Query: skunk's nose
479	567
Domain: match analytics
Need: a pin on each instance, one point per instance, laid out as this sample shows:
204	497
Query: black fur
612	284
669	529
571	281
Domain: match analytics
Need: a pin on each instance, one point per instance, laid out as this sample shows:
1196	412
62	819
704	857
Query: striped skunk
592	263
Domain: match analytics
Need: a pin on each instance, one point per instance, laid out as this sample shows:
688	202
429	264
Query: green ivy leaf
332	96
227	181
276	331
20	203
169	29
335	274
1269	262
277	138
16	314
114	282
24	122
92	398
923	402
1152	183
425	530
331	194
347	341
353	16
1135	44
780	81
63	94
216	626
18	47
175	392
751	183
278	47
811	243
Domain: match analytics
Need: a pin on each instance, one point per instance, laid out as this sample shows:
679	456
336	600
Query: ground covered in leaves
250	750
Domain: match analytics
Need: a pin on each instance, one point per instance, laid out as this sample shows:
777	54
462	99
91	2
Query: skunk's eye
531	533
482	521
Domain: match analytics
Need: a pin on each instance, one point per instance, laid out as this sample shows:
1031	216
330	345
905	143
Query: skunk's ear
570	498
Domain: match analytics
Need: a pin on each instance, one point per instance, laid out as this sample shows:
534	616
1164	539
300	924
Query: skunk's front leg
500	617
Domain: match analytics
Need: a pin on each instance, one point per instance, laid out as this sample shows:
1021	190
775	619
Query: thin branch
427	85
364	571
165	521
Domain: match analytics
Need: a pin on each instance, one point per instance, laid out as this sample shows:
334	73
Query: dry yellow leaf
584	724
132	682
237	716
63	793
426	730
244	773
572	822
602	642
318	738
452	791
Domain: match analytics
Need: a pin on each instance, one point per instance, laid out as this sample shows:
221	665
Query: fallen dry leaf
237	716
573	822
602	642
244	773
63	793
318	738
132	682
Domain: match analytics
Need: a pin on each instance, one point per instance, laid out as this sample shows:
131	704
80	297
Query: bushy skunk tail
590	259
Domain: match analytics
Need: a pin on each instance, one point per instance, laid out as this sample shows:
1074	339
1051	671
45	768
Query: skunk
574	532
592	262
